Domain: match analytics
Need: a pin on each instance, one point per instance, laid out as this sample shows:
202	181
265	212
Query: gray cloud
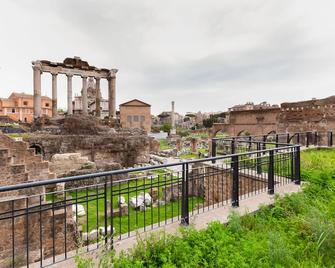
206	55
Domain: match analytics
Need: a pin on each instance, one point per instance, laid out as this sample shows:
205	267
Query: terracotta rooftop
135	100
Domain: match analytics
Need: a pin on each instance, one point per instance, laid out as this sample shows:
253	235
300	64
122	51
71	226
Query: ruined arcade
73	67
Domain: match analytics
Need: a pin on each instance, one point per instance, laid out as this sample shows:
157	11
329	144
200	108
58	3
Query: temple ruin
71	67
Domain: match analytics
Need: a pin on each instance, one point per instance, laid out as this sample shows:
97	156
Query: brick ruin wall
312	115
214	185
127	150
19	164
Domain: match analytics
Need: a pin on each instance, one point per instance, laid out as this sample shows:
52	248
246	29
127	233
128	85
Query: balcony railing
49	221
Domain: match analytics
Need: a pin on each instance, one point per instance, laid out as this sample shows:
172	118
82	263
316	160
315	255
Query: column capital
97	78
112	73
54	74
69	75
84	76
37	65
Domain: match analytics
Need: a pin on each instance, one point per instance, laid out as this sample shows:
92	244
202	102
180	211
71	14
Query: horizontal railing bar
124	171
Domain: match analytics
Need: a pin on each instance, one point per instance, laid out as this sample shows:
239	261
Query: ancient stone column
84	95
173	124
97	97
112	93
37	67
69	94
54	94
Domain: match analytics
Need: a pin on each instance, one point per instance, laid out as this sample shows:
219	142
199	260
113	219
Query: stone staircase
19	164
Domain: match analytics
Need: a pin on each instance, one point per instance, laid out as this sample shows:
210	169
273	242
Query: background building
20	107
251	106
135	114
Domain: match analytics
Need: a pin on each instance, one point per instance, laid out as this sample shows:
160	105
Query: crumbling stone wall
214	184
92	138
122	148
312	115
19	164
218	185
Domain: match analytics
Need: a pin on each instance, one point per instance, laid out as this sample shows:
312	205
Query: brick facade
135	114
20	107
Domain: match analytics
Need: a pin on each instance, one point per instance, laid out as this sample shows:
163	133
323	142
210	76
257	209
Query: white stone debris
80	210
147	199
121	200
93	235
102	230
136	201
143	199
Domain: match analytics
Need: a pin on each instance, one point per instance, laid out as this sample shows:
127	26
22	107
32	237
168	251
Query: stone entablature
71	67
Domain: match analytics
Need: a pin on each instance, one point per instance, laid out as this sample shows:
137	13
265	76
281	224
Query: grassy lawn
164	144
296	231
93	201
18	135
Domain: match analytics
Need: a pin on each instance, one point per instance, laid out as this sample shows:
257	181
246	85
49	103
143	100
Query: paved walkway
200	221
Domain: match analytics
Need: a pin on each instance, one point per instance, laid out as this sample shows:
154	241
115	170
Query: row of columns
37	67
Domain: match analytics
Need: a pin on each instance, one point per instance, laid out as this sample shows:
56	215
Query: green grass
18	135
189	156
94	203
164	144
296	231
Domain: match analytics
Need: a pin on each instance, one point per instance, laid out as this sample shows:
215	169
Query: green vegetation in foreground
297	231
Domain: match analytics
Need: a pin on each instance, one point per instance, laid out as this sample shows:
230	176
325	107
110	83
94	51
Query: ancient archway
38	148
244	133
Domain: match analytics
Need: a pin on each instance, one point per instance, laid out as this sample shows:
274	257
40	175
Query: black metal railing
49	221
230	145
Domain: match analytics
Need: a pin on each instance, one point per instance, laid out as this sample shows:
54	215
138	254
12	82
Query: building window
142	118
25	103
47	105
13	111
129	118
135	118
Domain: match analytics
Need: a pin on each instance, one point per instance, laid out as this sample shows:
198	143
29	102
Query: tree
166	127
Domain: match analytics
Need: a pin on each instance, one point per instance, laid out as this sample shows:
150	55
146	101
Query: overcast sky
205	55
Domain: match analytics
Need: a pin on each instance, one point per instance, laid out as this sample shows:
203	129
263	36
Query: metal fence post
292	168
250	143
264	143
307	139
277	140
258	159
288	138
184	196
105	211
213	149
330	138
271	179
297	166
235	188
298	138
232	146
232	150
